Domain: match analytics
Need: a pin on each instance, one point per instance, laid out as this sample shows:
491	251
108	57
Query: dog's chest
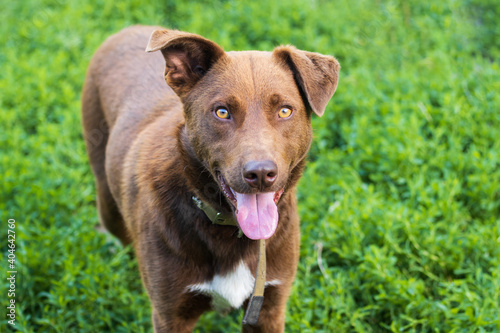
229	291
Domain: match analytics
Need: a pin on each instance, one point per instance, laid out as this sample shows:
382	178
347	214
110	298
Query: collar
215	216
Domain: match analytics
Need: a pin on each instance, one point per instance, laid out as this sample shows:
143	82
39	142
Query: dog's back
124	84
124	78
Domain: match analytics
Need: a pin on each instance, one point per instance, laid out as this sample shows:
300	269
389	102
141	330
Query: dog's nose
260	174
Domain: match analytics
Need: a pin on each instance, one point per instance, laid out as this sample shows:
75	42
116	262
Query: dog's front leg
172	324
182	314
166	279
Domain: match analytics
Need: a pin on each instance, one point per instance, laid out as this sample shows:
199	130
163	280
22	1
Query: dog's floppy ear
188	57
316	75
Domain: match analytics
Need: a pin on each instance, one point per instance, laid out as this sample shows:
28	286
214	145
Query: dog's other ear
316	75
188	57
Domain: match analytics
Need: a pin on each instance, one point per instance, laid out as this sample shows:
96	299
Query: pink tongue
257	214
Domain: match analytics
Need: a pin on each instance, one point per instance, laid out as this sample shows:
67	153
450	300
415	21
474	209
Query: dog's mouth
257	213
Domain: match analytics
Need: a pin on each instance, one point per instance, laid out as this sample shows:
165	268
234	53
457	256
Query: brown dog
230	135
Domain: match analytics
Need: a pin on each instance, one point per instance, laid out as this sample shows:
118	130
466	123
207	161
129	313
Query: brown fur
152	147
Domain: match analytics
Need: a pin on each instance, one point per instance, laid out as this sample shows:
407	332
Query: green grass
400	203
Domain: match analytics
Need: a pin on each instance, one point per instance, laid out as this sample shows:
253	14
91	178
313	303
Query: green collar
215	216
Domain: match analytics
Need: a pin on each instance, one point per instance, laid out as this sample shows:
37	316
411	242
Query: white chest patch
231	290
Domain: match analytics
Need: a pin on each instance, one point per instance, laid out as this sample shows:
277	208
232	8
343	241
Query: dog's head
248	116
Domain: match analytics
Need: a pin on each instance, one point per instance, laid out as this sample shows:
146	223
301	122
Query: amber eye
285	113
222	113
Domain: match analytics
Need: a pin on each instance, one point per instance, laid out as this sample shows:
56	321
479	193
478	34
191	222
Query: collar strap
255	303
215	216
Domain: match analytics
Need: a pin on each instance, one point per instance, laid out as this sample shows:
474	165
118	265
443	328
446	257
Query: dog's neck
200	180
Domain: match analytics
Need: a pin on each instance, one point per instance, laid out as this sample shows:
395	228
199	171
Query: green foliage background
400	202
